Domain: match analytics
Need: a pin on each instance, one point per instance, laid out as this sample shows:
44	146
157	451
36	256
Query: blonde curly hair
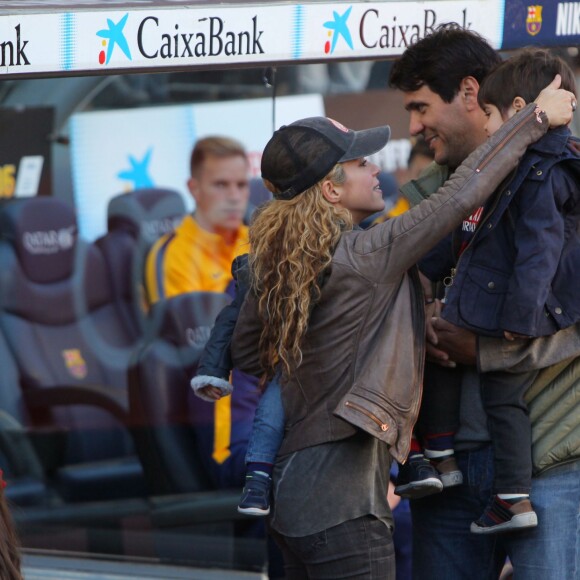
292	244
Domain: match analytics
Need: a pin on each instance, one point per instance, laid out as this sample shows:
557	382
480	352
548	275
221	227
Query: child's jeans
268	428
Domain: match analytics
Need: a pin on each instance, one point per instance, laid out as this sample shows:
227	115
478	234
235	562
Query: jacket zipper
502	142
448	280
371	416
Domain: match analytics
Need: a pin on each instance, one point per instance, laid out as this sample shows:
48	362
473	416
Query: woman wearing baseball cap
338	311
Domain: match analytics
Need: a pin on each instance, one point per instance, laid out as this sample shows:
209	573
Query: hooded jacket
363	352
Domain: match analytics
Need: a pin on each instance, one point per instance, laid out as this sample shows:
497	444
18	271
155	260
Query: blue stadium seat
134	222
160	396
70	349
19	458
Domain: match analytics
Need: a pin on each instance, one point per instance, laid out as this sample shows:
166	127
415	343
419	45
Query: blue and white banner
143	38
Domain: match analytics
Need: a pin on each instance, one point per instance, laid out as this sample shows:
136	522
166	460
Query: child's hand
513	335
210	388
211	392
558	103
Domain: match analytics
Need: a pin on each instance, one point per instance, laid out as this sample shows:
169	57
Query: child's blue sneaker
256	494
505	515
417	478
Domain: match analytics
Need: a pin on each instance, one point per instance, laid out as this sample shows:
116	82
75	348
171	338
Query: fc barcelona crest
75	364
534	20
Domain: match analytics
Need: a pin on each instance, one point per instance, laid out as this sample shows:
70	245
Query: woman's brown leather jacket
364	349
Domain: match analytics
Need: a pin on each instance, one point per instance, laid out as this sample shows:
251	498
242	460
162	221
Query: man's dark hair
442	59
524	75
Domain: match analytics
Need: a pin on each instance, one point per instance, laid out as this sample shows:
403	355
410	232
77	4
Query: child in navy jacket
212	382
516	277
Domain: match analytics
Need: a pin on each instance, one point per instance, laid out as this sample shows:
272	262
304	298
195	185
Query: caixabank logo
113	36
338	28
383	29
12	49
154	37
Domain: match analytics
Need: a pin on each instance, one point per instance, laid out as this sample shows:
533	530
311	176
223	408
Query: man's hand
456	345
511	336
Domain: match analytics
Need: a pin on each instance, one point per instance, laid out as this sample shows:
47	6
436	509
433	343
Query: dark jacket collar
553	142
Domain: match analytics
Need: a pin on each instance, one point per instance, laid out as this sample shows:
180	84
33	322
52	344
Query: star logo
138	172
336	29
115	37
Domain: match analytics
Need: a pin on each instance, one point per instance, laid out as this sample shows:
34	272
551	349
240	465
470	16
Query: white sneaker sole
253	511
418	489
518	522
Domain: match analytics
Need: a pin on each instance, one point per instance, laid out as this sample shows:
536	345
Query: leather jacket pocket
381	424
368	416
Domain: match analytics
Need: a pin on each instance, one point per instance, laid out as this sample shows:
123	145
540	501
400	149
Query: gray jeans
356	549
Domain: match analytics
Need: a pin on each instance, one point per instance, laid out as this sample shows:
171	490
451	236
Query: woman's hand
558	104
434	353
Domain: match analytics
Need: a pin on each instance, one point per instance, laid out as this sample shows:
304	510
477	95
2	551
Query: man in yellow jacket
199	254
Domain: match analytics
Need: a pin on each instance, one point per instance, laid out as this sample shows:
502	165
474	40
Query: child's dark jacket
520	271
216	360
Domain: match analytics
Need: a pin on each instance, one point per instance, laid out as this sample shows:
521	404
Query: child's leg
268	427
439	419
265	440
428	470
511	436
439	414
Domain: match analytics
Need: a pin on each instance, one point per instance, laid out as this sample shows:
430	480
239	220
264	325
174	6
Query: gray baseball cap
299	155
